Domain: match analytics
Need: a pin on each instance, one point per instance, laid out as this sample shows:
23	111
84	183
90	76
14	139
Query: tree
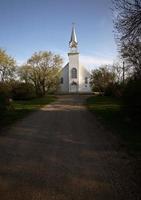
24	73
118	70
131	53
42	69
101	78
128	28
128	19
122	71
7	66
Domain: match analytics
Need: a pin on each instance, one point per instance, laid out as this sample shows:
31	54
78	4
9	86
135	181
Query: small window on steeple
74	73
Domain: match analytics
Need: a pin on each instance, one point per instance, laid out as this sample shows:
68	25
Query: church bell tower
73	63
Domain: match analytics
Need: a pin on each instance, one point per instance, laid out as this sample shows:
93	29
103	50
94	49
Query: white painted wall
73	63
64	87
83	73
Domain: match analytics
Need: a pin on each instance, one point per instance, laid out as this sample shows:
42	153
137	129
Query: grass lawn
19	109
108	110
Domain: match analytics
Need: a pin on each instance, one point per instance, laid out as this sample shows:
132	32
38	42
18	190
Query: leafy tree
101	78
42	69
24	73
7	66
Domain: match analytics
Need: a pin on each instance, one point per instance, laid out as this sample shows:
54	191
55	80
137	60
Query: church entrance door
74	87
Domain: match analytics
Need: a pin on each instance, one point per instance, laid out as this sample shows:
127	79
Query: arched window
61	80
74	73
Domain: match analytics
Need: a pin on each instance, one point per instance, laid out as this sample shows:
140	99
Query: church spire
73	41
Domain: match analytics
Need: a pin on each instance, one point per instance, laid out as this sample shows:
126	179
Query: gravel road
62	152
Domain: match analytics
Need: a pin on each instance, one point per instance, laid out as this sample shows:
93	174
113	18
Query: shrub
132	99
5	94
23	91
114	89
109	90
2	102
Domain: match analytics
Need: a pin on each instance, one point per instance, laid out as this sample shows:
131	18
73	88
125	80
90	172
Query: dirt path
62	153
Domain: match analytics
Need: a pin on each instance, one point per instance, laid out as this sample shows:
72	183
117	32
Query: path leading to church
62	153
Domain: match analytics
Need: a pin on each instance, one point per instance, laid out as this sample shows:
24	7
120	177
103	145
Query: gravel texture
63	153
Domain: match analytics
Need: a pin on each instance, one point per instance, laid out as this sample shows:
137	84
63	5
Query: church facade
74	78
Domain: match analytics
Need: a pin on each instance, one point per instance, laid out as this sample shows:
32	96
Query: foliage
42	70
24	73
122	71
7	66
128	28
118	71
132	100
3	102
128	19
115	90
132	55
5	94
101	78
23	91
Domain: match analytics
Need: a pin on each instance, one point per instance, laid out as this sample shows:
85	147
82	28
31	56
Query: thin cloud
92	61
89	61
21	62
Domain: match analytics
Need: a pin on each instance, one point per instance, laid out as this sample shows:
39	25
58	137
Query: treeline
123	80
36	78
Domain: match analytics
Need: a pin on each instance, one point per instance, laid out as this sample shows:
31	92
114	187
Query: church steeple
73	41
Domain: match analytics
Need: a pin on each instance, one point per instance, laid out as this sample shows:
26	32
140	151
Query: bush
132	99
2	102
5	94
109	90
114	89
23	91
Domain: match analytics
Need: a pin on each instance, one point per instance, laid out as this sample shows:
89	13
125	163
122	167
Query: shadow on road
62	153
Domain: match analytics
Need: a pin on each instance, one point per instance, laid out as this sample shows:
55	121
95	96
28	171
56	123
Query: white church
74	78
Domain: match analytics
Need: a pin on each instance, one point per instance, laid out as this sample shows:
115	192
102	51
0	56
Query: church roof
73	36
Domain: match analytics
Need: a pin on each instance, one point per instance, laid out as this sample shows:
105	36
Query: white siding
64	87
73	63
83	73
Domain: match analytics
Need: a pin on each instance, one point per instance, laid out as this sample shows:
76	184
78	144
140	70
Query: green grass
108	111
20	109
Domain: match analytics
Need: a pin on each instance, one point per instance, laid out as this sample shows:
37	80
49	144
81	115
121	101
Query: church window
61	81
74	73
86	80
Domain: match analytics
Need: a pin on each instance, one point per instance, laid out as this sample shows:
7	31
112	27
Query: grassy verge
20	109
108	110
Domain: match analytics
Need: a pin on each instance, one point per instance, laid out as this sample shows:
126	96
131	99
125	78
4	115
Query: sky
28	26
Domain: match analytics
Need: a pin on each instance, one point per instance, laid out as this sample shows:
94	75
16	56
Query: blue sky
27	26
